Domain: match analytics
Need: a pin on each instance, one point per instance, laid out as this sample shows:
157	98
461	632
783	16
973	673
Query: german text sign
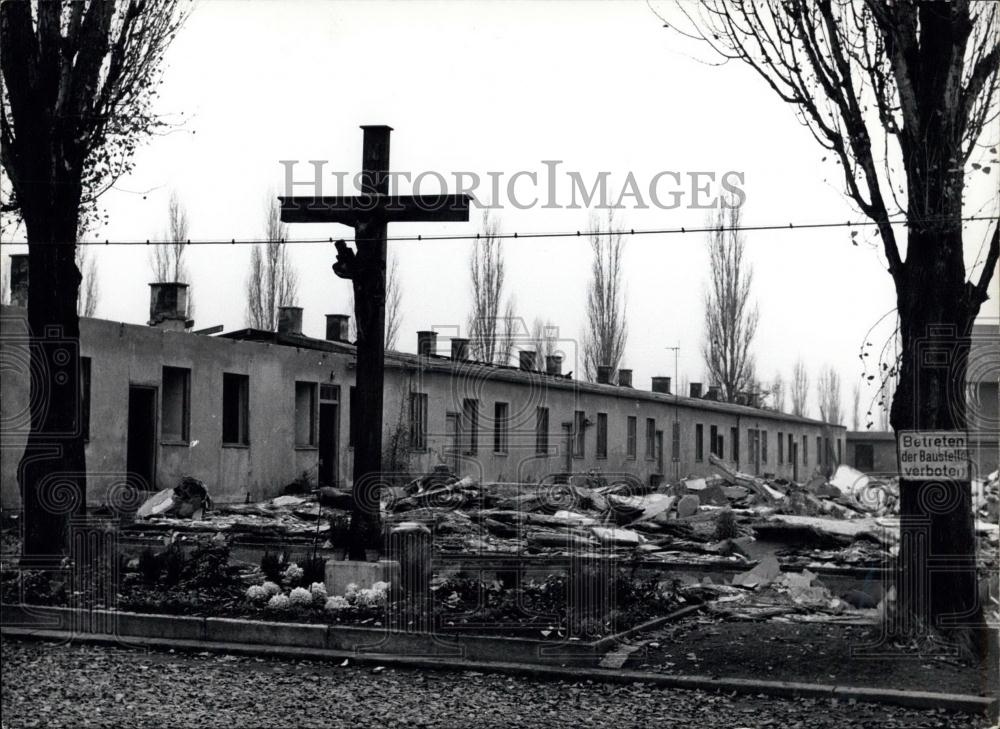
933	455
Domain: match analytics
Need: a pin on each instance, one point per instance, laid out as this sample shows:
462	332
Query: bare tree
545	340
778	392
856	407
271	281
607	330
491	321
730	318
393	302
828	396
900	94
78	79
90	290
800	389
167	257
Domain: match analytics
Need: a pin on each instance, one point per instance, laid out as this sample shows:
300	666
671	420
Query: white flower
366	597
256	593
336	603
318	591
351	587
278	602
381	588
300	596
292	573
271	588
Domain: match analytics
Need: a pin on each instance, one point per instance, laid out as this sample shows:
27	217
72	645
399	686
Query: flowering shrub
318	592
300	596
336	603
271	588
292	574
278	602
257	593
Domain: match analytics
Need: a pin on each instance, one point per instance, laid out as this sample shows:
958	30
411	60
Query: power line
531	236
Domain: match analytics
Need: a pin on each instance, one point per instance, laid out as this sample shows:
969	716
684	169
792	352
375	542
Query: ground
771	650
50	685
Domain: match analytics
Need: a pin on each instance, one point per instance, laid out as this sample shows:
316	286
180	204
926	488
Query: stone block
341	573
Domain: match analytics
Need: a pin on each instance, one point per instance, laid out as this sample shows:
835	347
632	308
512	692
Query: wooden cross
369	214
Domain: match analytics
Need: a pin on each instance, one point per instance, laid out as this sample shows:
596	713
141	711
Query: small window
418	421
85	397
352	414
750	453
781	447
720	448
827	452
602	435
542	431
864	456
675	441
650	438
791	456
470	426
839	453
579	428
500	426
630	444
329	393
176	418
305	414
819	451
763	447
805	450
734	439
699	442
713	440
235	409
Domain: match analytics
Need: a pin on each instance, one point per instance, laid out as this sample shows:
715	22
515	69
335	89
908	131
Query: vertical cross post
369	303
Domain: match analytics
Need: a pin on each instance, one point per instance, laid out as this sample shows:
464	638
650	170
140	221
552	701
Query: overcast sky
489	86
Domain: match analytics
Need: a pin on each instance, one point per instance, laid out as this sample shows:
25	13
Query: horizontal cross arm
383	208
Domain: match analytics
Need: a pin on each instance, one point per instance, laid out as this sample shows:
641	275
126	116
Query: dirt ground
845	655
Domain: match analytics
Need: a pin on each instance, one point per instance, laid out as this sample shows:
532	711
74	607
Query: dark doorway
794	455
864	456
140	458
328	443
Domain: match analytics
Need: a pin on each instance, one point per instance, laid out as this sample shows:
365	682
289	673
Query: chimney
603	375
337	328
661	384
624	378
19	279
168	303
459	349
553	364
427	343
526	359
695	389
713	392
289	320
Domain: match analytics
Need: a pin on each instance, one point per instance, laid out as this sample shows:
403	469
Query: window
763	447
734	439
602	435
827	452
781	447
579	424
805	450
721	447
85	397
500	419
305	414
352	414
791	457
839	453
819	451
650	438
713	440
699	442
750	454
235	409
630	436
675	444
542	431
418	421
470	426
864	456
176	418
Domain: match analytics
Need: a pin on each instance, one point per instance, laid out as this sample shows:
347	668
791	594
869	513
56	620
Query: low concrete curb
910	699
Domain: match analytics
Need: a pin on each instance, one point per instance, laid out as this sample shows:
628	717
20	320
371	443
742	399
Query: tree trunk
52	473
936	582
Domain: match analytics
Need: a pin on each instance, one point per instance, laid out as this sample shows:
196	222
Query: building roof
509	373
871	435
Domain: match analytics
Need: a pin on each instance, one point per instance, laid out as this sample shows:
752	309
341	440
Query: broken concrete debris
187	500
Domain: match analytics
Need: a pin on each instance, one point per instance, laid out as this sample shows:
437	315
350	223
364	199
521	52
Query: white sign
933	455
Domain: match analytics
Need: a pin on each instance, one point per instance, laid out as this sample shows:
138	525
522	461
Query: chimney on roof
603	375
459	349
289	320
526	359
624	378
714	392
553	364
19	279
695	389
427	343
337	327
168	304
661	384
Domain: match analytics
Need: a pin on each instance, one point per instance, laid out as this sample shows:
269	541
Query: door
795	460
659	452
140	450
454	440
328	466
